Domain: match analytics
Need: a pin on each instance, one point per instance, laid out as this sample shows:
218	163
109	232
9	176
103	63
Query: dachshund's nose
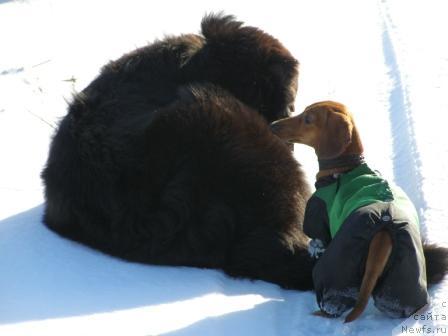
275	126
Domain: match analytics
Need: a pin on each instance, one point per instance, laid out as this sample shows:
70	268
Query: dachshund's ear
336	136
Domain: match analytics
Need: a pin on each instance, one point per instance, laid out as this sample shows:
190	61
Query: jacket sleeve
316	224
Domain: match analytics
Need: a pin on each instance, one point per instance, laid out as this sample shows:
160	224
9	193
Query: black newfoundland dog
167	158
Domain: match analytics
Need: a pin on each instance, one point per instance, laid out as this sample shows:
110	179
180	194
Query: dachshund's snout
284	128
288	129
275	127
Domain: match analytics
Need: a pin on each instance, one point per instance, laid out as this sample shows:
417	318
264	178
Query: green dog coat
342	217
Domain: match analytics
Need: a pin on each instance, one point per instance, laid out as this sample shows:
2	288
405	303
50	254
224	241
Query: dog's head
255	67
326	126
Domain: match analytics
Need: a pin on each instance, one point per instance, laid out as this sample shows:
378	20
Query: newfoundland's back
175	187
96	154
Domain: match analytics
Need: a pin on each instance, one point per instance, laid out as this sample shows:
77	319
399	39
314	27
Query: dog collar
342	161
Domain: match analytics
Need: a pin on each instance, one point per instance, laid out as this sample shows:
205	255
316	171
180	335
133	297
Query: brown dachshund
329	128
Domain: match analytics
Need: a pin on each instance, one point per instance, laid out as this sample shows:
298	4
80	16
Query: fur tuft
436	262
214	26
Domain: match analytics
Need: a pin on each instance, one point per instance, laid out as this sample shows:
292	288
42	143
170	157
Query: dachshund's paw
321	313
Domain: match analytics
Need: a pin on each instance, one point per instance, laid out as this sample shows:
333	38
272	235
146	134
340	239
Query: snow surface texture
387	60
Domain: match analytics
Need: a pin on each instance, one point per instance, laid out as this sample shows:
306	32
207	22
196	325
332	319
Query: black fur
436	262
167	158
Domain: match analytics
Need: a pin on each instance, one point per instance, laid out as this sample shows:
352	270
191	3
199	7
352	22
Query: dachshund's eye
308	120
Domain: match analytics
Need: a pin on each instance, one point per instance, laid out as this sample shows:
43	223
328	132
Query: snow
387	60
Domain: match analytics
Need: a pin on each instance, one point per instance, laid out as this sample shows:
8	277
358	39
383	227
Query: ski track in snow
406	160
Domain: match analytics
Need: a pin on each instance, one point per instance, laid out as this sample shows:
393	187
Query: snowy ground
387	60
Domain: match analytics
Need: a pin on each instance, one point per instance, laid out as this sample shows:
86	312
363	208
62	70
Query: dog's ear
336	136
